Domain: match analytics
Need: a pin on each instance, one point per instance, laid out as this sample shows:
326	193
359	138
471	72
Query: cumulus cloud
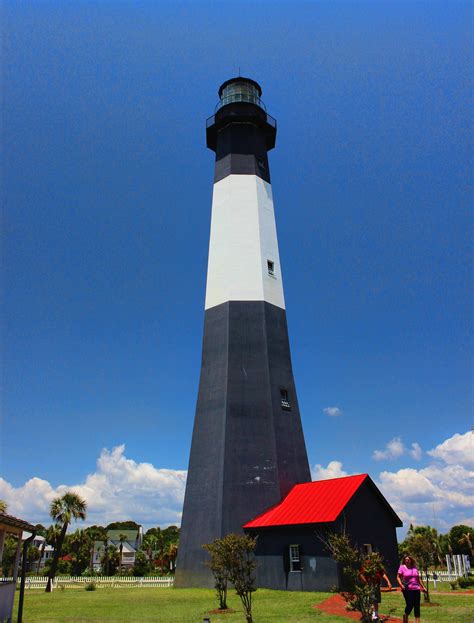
393	450
332	411
119	489
458	449
416	451
440	493
333	470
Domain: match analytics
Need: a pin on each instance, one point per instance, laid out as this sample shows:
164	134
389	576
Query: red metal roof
311	502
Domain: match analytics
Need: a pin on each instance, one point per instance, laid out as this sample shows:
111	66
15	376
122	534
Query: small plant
91	586
454	585
466	582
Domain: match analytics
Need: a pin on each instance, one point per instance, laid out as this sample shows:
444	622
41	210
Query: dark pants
412	600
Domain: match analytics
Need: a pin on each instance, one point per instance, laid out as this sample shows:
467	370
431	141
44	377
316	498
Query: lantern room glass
240	92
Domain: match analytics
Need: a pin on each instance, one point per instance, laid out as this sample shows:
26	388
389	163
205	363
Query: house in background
46	551
290	555
130	545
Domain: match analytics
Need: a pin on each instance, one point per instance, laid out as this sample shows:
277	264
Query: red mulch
337	606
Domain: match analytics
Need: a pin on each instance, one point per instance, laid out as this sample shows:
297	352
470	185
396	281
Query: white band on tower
244	263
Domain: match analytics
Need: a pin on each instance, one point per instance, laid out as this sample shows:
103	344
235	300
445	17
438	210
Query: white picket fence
69	581
443	576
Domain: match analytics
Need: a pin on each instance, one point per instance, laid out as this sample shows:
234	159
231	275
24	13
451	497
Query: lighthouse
248	447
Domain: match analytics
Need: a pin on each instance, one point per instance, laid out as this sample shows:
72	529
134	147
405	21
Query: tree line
74	552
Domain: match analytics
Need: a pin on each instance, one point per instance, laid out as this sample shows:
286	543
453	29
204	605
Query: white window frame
295	557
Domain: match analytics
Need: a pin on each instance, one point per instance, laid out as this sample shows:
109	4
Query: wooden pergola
16	527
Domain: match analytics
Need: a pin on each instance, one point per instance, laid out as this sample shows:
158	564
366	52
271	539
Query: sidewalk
336	605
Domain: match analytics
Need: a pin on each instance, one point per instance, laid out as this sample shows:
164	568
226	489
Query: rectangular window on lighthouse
271	267
285	403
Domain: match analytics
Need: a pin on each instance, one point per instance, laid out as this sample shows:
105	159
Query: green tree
9	554
63	510
123	525
3	506
79	548
236	553
152	545
172	554
142	565
359	595
32	555
219	566
461	538
110	560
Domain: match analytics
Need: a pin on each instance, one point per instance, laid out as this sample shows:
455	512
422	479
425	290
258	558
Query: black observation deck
240	102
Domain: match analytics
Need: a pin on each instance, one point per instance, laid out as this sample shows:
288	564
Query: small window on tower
295	558
271	267
285	403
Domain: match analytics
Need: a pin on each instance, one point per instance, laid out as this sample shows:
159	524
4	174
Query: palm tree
63	510
3	506
172	553
466	539
122	539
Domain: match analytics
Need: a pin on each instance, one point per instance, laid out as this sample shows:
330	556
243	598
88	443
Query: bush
466	582
91	586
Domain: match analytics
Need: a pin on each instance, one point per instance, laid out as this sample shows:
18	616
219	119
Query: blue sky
107	191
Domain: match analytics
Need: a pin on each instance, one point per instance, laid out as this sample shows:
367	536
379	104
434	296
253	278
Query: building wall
319	572
369	521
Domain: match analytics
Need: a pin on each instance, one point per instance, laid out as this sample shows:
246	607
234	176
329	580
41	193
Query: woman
411	584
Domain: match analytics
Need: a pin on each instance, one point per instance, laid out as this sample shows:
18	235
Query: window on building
367	547
271	267
285	402
295	559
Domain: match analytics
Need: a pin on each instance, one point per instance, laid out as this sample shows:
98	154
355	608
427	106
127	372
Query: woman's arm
420	582
400	582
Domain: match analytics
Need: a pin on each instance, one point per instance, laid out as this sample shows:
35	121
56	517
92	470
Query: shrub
466	582
91	586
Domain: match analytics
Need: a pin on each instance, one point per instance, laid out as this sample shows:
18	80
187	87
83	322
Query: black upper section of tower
241	132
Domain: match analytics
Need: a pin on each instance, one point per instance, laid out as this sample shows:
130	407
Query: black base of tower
248	447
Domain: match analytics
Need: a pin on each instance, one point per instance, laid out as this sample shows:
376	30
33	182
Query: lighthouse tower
248	447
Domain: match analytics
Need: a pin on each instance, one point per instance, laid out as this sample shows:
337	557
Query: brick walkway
336	605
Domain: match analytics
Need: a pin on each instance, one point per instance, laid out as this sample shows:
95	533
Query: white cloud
332	411
333	470
458	449
416	451
439	494
393	450
119	489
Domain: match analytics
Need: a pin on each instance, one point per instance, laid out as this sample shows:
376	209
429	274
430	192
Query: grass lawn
163	605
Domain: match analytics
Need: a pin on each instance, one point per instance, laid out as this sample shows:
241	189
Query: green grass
163	605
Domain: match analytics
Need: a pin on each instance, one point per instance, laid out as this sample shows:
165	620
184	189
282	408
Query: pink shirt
410	577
